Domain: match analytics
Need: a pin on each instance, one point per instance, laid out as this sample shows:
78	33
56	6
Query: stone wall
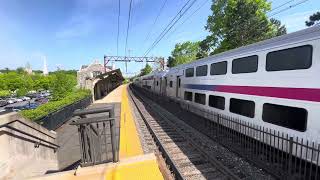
26	148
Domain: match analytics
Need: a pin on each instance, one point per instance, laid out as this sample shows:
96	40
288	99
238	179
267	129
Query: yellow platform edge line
130	144
147	169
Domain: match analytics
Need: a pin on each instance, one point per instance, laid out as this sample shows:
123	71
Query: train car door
178	84
154	84
165	86
160	89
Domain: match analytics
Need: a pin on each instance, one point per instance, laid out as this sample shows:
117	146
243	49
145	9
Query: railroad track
184	148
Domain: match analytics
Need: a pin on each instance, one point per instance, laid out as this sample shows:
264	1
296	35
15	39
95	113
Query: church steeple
45	68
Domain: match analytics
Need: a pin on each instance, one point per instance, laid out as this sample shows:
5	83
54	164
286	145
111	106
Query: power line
278	12
128	27
178	16
159	13
118	29
261	22
281	5
294	5
185	20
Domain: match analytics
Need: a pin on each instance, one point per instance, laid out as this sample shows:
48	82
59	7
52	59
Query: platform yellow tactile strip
140	170
129	140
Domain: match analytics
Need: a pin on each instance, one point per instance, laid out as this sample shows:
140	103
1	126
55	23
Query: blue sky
70	33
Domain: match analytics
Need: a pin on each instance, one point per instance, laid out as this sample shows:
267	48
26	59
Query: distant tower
28	68
45	68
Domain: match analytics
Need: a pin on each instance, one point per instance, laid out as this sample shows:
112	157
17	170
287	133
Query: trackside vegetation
61	84
52	106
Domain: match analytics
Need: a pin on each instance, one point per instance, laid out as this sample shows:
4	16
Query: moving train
274	83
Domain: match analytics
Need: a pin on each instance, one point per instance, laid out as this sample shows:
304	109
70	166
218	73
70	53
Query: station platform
133	163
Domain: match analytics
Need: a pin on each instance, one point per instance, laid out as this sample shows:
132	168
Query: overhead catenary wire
276	13
178	16
186	19
291	6
127	36
156	19
128	27
281	5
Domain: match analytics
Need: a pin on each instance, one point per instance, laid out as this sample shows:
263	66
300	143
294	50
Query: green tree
62	84
14	81
170	61
146	70
236	23
184	53
3	82
313	19
22	91
20	70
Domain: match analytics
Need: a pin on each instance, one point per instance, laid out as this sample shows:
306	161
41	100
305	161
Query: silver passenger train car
274	83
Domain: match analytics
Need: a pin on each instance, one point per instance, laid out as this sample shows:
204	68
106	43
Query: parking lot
22	103
18	104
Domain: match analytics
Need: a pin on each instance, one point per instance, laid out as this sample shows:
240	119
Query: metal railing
96	135
286	156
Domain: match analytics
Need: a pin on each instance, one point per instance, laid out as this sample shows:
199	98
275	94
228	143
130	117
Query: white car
25	98
11	101
19	100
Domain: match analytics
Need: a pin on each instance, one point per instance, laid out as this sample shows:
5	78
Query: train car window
179	83
217	102
188	96
200	98
245	65
219	68
202	70
285	116
157	83
242	107
290	59
190	72
170	83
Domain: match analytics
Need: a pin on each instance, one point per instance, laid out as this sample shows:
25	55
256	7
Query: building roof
114	73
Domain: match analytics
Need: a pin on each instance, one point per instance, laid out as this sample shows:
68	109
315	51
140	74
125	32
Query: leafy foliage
236	23
233	23
4	93
313	19
53	106
62	85
184	53
146	70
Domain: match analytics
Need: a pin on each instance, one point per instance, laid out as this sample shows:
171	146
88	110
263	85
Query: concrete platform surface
139	167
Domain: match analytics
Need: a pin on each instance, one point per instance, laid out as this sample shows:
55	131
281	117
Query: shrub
52	106
4	93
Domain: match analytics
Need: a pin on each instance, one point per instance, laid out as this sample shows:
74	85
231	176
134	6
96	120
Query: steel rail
213	161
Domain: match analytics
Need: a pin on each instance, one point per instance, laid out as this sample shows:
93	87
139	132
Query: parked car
32	95
41	100
26	98
30	106
3	103
19	99
11	100
13	108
